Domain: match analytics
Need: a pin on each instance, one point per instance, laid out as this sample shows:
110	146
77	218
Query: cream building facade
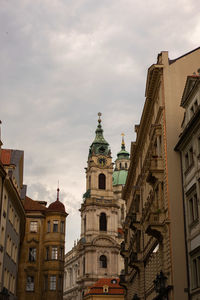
97	253
154	244
189	147
12	219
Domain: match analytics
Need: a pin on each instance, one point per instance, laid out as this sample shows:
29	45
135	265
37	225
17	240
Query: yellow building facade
41	265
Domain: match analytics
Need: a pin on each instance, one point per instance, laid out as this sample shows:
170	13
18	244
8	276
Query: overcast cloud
64	61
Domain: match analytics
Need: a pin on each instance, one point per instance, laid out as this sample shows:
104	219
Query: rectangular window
191	158
47	253
46	282
30	284
33	226
54	253
186	161
53	283
62	227
196	271
193	208
32	254
55	226
48	226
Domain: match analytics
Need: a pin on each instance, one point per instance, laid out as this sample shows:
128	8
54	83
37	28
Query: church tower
99	255
119	179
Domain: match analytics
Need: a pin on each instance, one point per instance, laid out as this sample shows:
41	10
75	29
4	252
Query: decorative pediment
191	83
104	241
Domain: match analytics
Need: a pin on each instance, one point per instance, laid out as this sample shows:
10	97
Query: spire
99	145
99	131
58	190
123	153
123	143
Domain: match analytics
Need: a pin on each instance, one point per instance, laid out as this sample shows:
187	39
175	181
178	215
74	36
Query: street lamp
135	297
160	286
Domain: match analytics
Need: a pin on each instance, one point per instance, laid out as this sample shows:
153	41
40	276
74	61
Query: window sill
195	290
194	223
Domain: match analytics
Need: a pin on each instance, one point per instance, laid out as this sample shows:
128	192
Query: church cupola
99	145
121	165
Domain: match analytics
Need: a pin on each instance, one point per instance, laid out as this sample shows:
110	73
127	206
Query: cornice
192	125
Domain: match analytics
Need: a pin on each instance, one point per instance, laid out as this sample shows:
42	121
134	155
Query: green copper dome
123	154
99	145
119	177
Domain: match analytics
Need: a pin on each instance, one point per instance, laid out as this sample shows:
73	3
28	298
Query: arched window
103	222
103	261
102	182
126	165
120	165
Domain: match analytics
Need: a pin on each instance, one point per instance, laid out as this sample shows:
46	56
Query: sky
62	62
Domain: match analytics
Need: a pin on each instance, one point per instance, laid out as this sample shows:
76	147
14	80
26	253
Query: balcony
123	251
135	221
155	169
134	261
155	224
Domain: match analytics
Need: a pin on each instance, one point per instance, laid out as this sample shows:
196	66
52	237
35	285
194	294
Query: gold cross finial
99	114
123	143
58	190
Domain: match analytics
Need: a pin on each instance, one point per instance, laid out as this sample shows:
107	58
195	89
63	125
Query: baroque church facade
97	254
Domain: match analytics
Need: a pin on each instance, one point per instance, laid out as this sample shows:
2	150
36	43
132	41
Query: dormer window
105	289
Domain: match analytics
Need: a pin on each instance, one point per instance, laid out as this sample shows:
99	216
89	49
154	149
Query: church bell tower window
103	222
102	182
103	261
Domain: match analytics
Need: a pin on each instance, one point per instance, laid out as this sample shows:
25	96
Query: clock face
102	161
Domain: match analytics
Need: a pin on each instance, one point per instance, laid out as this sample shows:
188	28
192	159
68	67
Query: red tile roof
32	205
57	206
113	287
5	156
